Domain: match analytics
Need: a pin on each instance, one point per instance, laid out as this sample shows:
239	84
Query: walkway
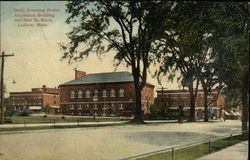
76	123
236	152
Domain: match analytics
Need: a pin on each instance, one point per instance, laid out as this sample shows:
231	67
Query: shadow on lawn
167	138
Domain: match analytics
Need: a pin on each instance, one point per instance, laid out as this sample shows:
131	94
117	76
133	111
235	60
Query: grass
196	151
60	127
30	120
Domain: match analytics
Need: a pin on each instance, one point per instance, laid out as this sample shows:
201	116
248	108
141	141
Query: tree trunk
205	105
245	88
138	107
192	102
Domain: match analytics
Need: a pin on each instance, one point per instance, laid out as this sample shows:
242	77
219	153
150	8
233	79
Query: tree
127	27
184	48
231	40
4	89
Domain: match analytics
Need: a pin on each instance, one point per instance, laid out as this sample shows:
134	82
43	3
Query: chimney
44	88
79	74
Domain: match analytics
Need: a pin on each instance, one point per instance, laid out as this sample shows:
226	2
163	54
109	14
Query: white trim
106	102
33	94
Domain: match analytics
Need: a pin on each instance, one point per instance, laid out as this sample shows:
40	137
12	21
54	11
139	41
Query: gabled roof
109	77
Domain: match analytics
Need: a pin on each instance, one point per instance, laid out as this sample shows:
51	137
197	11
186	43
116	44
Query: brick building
102	94
37	99
172	99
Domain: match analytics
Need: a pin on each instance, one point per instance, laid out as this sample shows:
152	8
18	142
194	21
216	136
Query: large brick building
102	94
37	99
172	99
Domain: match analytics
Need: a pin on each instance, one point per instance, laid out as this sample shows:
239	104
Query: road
109	143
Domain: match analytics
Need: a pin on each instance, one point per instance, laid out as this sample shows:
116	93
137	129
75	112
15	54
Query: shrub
26	112
9	113
7	120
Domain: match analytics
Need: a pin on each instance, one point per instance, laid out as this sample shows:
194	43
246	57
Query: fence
173	149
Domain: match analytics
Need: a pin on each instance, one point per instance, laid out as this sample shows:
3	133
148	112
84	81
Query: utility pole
162	89
2	96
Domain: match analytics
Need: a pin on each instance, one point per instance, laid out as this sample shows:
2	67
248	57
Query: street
109	143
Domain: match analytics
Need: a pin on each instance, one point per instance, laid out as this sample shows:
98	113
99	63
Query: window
121	92
141	98
13	102
72	94
174	104
39	101
121	106
87	95
184	95
112	93
79	106
174	95
87	106
104	93
185	103
39	96
95	106
95	93
71	106
104	106
80	94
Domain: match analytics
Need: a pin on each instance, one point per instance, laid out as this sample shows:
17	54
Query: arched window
104	93
87	95
80	94
95	93
72	94
121	92
112	93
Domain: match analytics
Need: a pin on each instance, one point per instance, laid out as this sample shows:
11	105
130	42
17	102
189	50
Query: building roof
109	77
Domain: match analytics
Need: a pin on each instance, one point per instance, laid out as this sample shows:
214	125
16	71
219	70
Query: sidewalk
75	123
236	152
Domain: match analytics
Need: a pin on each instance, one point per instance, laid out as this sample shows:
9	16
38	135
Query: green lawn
30	119
196	151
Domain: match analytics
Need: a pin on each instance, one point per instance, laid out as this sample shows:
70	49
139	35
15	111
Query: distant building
37	99
103	94
172	99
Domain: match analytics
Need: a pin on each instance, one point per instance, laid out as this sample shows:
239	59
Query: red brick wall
79	74
178	99
27	99
127	100
49	99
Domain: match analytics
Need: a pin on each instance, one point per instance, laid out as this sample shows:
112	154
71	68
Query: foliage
127	27
232	96
45	109
111	110
184	46
25	112
9	112
231	41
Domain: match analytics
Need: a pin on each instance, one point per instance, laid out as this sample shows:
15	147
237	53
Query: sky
37	59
